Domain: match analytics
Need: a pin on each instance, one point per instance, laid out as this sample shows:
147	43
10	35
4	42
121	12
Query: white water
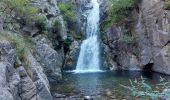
89	60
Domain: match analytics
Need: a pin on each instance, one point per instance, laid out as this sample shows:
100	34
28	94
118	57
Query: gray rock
56	95
162	61
39	78
9	78
27	88
72	56
51	60
1	24
152	34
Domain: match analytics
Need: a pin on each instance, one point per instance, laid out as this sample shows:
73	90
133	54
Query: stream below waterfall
102	85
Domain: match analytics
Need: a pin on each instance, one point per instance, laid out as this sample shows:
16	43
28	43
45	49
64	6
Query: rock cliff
148	48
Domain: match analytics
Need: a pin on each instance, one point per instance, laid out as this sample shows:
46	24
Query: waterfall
89	57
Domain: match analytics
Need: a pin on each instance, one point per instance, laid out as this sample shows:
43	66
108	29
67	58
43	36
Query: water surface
103	83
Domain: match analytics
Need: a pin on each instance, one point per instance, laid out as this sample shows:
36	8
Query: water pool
103	84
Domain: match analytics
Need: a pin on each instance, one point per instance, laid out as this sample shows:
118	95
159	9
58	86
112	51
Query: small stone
59	95
88	98
113	97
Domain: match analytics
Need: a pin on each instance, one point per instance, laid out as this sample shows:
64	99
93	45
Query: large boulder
162	60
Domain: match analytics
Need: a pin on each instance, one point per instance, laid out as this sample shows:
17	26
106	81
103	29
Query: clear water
89	60
99	84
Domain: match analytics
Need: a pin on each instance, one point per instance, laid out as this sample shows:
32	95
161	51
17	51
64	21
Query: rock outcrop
9	78
21	83
150	27
50	60
154	39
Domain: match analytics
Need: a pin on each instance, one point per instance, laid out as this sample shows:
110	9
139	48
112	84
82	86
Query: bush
57	26
41	22
18	41
66	10
140	88
118	11
127	37
68	14
20	8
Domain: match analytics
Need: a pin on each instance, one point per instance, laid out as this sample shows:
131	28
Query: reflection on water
88	83
93	84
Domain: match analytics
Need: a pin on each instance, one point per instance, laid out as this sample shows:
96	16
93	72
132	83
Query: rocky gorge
35	52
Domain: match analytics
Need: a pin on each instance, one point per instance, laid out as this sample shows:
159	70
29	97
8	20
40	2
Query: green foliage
66	10
127	37
167	5
140	88
20	8
68	14
118	11
57	26
41	22
17	41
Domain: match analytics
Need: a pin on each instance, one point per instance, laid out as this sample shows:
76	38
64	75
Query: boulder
162	60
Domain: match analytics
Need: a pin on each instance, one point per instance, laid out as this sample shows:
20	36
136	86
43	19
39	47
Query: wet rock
72	56
108	92
88	98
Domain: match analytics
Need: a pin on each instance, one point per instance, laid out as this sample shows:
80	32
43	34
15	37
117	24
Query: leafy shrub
21	8
41	22
127	37
66	10
17	41
140	88
68	14
118	11
57	26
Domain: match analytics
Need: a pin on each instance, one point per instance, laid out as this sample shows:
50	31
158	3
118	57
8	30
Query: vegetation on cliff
118	11
17	9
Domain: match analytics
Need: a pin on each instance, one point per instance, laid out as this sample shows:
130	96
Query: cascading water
89	60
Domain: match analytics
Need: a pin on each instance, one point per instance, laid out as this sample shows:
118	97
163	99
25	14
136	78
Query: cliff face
156	23
149	25
29	77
